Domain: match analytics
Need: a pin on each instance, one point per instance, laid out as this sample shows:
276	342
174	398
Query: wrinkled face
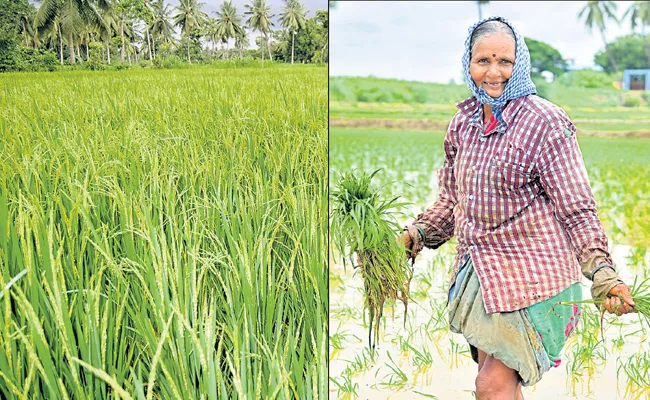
491	63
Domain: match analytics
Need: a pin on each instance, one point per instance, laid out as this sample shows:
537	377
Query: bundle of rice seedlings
362	223
640	292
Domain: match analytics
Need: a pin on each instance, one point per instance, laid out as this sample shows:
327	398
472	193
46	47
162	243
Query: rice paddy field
423	359
163	234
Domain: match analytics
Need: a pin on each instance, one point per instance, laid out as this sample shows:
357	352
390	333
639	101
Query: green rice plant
346	388
421	358
162	234
361	362
636	370
585	350
362	223
637	256
345	312
397	378
402	343
336	282
428	396
456	351
339	339
437	324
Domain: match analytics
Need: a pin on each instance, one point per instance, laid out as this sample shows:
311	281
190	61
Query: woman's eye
483	60
506	61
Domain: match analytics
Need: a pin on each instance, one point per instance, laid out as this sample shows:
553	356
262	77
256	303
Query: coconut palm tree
229	22
189	17
108	29
161	28
72	15
131	36
30	38
87	35
146	15
51	35
639	14
596	13
212	33
260	19
124	21
293	18
242	42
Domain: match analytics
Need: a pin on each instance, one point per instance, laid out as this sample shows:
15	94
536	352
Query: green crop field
163	234
422	358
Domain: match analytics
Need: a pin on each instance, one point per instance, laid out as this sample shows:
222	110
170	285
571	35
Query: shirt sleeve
564	179
437	221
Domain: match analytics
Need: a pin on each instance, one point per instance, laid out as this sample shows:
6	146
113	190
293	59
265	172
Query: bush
94	65
240	62
121	67
145	64
586	78
646	97
96	61
158	61
543	88
172	61
632	101
27	59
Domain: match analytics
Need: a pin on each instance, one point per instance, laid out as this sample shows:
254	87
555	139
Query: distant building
636	79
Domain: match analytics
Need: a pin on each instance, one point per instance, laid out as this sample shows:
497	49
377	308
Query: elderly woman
515	192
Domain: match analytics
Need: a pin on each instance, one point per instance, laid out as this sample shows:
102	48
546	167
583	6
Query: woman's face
492	62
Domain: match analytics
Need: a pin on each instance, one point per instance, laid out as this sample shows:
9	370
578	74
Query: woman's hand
614	304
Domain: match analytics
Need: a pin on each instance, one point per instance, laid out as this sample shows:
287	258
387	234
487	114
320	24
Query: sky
424	41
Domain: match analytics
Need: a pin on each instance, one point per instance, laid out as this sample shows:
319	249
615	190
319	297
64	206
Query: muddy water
451	373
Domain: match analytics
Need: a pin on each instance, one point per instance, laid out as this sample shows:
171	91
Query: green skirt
528	341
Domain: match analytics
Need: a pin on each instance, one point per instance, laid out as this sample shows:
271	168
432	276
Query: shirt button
470	197
472	248
470	223
473	167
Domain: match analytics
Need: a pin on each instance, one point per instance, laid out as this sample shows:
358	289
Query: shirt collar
472	109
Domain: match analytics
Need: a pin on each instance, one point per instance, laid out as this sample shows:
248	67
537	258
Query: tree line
98	33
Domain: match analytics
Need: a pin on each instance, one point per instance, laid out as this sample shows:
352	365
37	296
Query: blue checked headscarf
519	83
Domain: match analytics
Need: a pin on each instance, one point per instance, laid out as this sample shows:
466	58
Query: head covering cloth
519	83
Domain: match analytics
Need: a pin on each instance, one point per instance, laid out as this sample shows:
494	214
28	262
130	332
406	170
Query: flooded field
423	359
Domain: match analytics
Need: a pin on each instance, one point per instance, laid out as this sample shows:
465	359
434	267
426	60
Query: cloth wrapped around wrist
604	280
598	268
417	239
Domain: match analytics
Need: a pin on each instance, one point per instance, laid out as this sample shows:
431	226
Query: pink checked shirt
518	199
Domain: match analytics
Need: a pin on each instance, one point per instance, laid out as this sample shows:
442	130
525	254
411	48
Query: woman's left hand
614	304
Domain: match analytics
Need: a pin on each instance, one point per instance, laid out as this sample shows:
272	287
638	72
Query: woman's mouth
494	84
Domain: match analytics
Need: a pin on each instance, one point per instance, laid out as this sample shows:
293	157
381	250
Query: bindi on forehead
494	55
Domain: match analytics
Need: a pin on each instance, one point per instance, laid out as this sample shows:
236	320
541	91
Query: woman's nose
493	71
